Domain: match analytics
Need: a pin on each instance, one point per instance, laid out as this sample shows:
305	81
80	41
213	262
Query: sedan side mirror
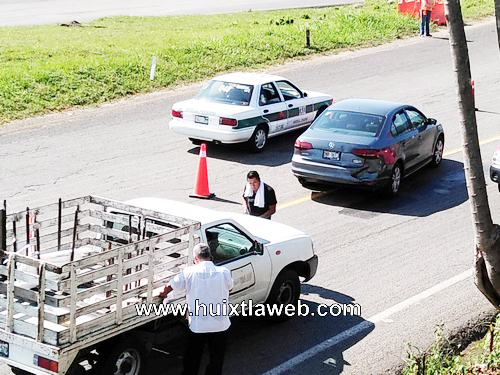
431	121
305	94
258	248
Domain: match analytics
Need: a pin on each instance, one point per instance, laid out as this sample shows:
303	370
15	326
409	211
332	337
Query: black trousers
216	341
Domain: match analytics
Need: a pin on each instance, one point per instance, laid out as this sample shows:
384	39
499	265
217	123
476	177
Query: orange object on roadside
413	7
201	189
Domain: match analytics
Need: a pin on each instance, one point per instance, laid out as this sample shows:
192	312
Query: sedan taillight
300	145
177	114
387	153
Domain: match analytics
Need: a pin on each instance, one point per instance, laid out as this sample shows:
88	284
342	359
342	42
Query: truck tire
285	291
127	357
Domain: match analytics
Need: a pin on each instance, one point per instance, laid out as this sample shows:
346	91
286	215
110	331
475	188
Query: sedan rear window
352	123
226	93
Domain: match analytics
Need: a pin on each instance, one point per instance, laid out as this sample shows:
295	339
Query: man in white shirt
207	292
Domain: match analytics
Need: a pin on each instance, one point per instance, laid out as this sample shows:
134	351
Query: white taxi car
246	107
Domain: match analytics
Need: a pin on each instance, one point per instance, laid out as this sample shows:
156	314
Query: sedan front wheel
437	154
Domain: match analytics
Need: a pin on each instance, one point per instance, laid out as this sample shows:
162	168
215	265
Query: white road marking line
299	358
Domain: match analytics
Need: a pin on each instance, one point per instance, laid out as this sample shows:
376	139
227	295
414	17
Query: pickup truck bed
94	259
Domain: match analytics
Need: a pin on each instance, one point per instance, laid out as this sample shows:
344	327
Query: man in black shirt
259	198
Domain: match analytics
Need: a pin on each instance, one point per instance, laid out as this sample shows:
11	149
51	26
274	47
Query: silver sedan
367	142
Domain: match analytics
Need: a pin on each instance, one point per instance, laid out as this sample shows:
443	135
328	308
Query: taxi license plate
331	155
201	119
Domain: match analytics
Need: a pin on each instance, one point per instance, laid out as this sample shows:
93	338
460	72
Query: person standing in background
259	199
426	7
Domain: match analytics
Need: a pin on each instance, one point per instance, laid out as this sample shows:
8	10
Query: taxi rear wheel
258	140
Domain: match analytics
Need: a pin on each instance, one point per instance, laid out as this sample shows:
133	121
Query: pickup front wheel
285	291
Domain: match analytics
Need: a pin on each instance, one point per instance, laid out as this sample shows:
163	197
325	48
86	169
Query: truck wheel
285	291
128	357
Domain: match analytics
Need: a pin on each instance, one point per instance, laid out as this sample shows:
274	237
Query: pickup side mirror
258	248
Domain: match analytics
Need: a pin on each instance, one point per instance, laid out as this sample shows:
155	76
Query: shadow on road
256	345
278	151
422	194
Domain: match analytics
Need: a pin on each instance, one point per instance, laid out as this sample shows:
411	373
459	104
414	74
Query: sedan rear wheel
437	154
258	140
395	181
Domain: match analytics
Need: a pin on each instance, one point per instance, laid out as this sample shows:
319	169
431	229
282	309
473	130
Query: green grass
442	358
51	68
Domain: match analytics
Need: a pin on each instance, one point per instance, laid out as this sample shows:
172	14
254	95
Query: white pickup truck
96	259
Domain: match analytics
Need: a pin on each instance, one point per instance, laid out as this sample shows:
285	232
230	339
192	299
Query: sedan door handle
290	105
266	110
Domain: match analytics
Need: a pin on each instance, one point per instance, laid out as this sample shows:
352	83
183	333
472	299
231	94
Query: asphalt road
32	12
405	261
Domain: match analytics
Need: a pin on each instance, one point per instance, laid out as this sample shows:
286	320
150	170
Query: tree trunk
497	16
486	234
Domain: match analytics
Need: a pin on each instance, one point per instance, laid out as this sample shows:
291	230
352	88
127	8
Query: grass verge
51	68
471	351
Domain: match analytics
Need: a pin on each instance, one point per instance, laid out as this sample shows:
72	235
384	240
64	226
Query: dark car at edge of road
367	142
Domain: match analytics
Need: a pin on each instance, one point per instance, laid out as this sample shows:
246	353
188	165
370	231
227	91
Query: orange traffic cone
201	188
